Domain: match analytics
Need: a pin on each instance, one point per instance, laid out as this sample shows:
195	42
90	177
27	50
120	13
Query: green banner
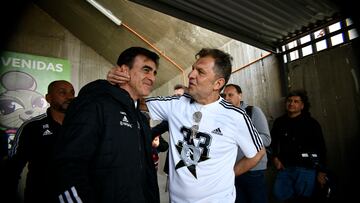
43	69
23	84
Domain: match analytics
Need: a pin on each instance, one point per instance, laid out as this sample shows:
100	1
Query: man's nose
191	74
152	77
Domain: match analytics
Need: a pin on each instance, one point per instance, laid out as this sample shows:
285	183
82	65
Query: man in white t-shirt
205	132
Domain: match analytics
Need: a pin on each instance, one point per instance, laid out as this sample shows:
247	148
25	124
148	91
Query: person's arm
277	163
248	138
163	146
159	129
18	157
261	125
22	149
74	151
275	148
249	142
245	164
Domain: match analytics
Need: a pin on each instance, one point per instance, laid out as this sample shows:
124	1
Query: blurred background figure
298	151
179	89
251	186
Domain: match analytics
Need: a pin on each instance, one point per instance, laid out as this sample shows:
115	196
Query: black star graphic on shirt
191	167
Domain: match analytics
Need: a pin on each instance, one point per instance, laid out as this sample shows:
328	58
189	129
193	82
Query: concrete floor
164	195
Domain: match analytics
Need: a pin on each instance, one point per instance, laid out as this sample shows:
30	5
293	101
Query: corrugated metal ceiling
261	23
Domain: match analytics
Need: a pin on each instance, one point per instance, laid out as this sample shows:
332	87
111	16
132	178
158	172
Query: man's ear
48	98
219	83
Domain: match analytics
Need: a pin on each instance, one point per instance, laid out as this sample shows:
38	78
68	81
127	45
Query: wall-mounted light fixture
105	11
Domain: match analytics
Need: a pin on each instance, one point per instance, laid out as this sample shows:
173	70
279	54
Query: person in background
34	143
299	151
155	154
179	89
104	153
159	144
251	186
205	132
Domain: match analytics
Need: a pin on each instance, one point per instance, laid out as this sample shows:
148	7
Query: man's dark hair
52	85
179	86
303	96
222	65
237	87
127	57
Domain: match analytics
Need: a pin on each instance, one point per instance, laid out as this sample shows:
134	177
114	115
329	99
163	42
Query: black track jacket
33	144
104	152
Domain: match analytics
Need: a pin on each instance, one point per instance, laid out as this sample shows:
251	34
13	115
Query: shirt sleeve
248	137
261	125
159	107
20	152
160	129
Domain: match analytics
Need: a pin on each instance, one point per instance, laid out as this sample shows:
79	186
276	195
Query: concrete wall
258	75
39	34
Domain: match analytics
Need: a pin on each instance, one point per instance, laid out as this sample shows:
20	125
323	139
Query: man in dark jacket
104	153
33	144
298	150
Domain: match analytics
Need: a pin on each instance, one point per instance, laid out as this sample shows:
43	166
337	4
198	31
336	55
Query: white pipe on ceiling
105	11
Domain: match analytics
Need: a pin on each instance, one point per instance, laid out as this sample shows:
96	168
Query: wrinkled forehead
205	62
62	85
141	59
143	65
294	99
230	89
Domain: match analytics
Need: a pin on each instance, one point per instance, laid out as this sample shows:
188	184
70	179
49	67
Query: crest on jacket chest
124	121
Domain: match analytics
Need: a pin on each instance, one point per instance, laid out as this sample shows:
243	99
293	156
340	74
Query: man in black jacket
299	151
33	144
104	153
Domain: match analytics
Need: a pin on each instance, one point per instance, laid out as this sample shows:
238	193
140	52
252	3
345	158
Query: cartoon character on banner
19	102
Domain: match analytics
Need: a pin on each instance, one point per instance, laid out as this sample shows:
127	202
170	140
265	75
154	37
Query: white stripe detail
253	133
78	199
68	197
61	199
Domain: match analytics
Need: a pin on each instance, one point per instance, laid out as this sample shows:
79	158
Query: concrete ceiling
177	40
263	24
